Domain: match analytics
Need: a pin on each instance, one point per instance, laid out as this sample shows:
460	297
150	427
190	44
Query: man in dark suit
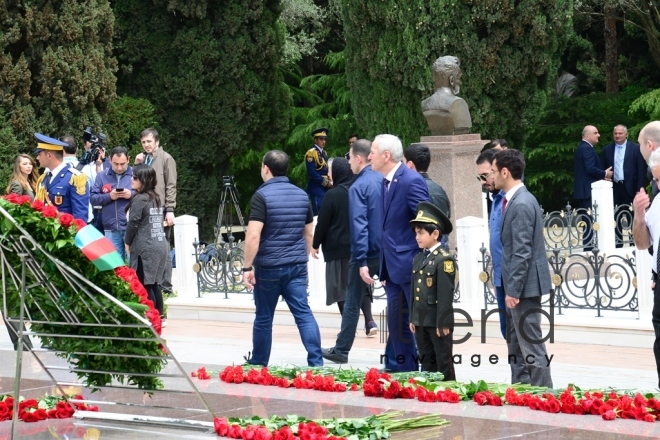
629	170
525	272
403	189
588	170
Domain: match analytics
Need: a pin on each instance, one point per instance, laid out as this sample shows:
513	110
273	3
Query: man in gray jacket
525	272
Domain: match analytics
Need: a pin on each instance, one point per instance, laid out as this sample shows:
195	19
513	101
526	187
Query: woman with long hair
145	237
24	177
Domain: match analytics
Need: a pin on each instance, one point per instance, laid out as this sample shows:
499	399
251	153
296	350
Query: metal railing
62	307
571	229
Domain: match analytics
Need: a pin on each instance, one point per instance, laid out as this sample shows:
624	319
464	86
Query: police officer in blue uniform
61	186
316	160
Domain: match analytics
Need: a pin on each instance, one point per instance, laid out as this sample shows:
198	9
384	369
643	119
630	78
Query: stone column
453	168
471	233
186	233
601	194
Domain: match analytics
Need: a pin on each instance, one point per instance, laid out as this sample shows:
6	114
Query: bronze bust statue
446	113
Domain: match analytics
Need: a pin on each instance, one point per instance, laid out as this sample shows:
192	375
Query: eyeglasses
483	176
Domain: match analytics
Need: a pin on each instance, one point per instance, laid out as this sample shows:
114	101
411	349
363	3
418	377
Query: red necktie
503	205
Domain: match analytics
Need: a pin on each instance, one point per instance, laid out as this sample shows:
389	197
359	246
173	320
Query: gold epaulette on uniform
313	155
79	180
41	189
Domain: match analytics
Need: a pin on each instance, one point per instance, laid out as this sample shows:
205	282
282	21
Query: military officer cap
320	133
429	213
48	143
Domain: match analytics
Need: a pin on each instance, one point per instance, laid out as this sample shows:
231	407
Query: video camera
98	144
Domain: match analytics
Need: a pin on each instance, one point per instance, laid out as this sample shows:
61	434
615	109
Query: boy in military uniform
316	160
62	186
432	312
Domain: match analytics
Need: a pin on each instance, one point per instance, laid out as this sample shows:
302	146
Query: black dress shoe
329	354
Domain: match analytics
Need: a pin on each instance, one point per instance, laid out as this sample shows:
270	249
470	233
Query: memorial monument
446	113
453	149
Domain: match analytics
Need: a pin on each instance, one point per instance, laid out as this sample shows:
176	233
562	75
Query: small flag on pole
100	251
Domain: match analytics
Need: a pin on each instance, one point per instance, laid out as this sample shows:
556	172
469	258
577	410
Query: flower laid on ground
429	387
55	233
201	374
292	427
48	407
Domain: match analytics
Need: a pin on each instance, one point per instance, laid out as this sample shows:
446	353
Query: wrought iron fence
592	282
219	267
571	229
623	215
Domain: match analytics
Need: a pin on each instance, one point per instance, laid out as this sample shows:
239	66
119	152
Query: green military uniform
432	297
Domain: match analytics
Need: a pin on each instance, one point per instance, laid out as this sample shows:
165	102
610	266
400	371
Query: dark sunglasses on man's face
482	177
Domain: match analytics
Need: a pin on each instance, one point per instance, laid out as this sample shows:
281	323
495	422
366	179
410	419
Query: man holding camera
112	192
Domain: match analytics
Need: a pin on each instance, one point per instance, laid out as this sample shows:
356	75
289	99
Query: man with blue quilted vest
277	244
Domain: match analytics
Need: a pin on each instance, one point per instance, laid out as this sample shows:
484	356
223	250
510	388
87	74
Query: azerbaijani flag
98	248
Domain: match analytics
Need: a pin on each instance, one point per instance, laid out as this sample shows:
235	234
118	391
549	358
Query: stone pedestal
185	234
453	168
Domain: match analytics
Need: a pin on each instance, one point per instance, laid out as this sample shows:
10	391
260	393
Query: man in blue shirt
365	210
485	177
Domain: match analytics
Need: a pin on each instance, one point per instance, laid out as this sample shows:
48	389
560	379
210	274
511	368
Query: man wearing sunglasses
485	177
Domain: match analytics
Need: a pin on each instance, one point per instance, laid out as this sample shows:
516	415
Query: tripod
225	219
219	266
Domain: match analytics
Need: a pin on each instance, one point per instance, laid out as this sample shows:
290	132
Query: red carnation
649	418
23	200
49	212
609	415
354	387
480	398
11	197
37	205
407	393
106	188
221	426
79	224
392	392
66	220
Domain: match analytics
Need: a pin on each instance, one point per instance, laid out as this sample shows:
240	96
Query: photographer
112	192
93	159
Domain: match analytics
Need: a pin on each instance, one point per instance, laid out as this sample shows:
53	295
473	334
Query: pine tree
57	70
211	69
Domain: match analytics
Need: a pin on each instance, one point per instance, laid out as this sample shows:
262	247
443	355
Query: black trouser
435	353
656	325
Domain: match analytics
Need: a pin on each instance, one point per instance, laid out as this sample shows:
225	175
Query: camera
98	144
228	181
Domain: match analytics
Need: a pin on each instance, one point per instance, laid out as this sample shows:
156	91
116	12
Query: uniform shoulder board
312	155
444	252
74	171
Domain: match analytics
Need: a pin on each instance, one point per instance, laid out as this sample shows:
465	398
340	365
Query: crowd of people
380	215
132	205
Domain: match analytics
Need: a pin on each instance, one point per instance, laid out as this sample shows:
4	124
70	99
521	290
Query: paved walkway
215	344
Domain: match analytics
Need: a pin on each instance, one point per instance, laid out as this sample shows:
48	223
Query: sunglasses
483	176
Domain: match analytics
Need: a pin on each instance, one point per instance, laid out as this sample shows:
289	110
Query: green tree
509	52
57	71
211	70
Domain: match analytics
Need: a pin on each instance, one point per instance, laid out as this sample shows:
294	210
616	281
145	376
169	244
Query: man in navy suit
629	170
403	189
588	170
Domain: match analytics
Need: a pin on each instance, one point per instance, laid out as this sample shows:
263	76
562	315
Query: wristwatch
248	269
